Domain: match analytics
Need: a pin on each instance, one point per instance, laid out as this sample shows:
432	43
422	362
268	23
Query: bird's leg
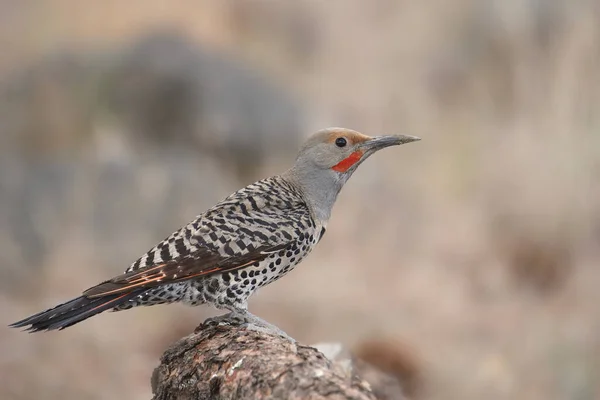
241	316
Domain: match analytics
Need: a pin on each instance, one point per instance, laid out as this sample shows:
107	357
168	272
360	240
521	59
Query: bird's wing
202	263
243	229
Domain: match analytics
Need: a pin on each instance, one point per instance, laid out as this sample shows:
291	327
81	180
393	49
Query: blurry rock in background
77	125
391	367
389	370
538	259
394	358
176	93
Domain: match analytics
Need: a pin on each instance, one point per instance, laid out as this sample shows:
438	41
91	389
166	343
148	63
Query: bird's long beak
380	142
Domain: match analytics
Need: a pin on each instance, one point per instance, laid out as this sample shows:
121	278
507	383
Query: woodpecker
250	239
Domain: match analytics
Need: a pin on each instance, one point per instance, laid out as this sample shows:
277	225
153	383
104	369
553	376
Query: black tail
72	312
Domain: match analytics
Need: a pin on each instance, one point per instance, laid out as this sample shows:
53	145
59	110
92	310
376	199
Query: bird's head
341	150
329	157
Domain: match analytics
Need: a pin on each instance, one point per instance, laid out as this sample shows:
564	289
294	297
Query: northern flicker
251	238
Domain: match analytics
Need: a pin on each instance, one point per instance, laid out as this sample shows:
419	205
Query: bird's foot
249	320
231	318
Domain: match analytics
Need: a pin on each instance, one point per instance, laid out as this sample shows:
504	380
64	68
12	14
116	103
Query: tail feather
72	312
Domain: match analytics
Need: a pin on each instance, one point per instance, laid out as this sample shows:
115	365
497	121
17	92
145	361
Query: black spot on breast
244	274
212	286
278	261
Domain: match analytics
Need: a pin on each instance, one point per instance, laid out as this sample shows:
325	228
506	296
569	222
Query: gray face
328	159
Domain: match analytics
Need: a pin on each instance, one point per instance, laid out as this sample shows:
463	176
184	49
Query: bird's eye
340	142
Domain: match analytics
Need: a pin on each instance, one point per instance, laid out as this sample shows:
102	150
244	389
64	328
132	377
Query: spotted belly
232	289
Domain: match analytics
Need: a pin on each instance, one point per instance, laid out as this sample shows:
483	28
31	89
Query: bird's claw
247	319
231	318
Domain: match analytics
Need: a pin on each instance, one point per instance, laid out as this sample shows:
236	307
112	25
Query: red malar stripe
347	162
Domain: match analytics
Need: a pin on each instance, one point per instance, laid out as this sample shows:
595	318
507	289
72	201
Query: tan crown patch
352	136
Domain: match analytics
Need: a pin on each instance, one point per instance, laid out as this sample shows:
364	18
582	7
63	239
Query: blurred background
471	258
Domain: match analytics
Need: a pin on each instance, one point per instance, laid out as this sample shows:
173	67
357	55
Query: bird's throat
348	162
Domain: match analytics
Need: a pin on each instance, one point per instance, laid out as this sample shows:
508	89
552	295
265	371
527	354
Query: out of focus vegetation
472	256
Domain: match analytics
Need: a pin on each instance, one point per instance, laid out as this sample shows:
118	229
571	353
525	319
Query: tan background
475	249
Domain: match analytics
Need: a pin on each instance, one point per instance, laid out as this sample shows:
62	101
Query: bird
248	240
